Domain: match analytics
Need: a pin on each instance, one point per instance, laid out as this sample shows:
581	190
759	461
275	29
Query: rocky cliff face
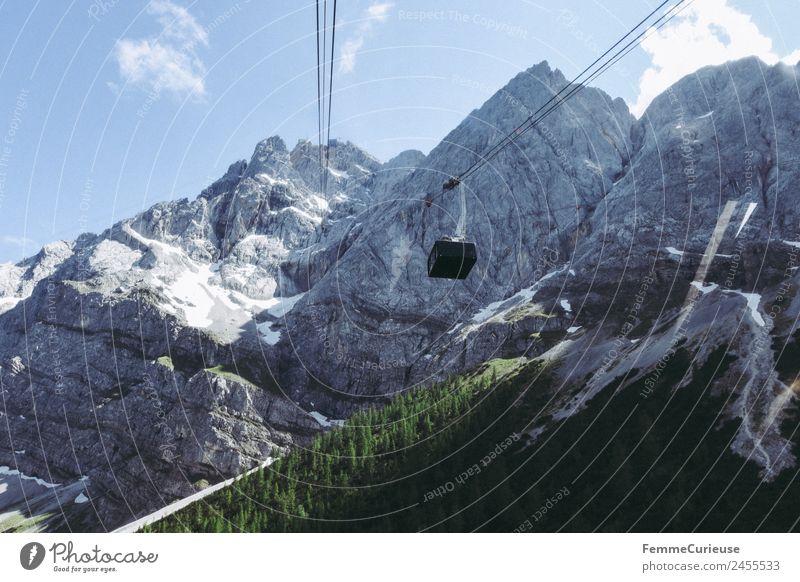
193	341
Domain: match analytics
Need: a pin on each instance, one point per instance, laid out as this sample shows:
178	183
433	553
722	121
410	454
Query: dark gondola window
451	259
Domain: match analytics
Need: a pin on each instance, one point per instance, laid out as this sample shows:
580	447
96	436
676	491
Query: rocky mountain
200	338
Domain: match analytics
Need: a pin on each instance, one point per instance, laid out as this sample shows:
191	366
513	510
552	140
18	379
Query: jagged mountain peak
716	88
270	157
325	300
269	145
227	182
541	73
405	159
345	161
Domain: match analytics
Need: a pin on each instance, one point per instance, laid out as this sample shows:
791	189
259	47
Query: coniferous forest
461	456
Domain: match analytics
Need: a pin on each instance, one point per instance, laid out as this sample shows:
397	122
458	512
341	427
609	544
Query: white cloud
707	33
150	63
792	58
376	13
348	55
167	61
177	24
379	11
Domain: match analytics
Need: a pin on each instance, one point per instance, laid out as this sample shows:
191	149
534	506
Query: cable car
451	258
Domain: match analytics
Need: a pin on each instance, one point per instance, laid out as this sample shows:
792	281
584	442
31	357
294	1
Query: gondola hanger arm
450	184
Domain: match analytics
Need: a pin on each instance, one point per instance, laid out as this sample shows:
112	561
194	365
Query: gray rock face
379	314
190	342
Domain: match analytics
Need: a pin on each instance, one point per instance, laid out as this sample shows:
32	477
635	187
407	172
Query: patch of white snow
9	302
704	288
270	180
674	251
339	173
268	335
14	473
284	305
114	257
753	301
747	214
320	418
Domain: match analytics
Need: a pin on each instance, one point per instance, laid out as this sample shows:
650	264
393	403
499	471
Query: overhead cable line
319	101
330	98
324	109
571	88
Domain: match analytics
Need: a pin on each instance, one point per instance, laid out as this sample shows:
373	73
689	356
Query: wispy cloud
707	33
376	13
167	61
18	241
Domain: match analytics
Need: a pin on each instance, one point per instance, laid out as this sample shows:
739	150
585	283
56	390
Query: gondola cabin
451	259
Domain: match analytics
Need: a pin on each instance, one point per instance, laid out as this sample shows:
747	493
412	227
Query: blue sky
108	106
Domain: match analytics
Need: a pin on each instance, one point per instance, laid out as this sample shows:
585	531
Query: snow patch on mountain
753	301
10	278
9	472
192	294
7	303
674	251
282	305
339	174
324	420
747	214
267	179
268	335
497	308
112	257
160	249
499	311
704	288
276	307
212	295
302	214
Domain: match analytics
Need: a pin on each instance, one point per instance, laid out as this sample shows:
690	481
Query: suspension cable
330	98
319	103
324	62
572	87
531	123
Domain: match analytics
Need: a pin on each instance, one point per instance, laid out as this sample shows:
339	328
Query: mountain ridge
272	300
